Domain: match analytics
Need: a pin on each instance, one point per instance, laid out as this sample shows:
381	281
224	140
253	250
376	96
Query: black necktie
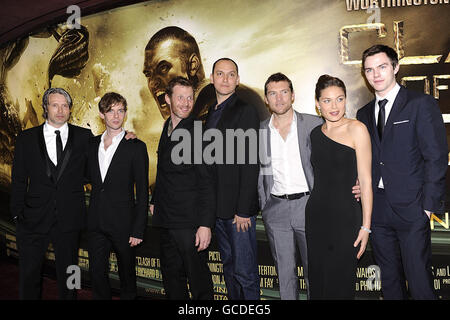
381	117
59	146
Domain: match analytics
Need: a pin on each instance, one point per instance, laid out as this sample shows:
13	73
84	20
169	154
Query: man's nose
376	73
184	102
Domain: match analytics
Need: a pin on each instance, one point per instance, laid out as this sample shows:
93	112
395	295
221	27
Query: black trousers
182	263
100	245
32	247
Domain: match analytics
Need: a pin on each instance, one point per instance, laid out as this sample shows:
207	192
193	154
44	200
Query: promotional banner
135	50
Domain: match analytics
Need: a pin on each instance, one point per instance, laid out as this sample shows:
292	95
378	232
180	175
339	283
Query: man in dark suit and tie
409	151
117	215
236	183
47	194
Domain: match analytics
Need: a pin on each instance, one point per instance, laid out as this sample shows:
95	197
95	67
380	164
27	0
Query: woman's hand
363	238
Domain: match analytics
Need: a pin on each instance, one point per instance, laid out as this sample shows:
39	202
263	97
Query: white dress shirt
388	107
50	139
105	156
288	175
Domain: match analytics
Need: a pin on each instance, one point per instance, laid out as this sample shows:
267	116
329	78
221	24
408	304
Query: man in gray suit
285	181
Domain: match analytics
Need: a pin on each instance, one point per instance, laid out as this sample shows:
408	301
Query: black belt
293	196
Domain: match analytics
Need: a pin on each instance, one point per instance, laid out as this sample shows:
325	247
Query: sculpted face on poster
135	50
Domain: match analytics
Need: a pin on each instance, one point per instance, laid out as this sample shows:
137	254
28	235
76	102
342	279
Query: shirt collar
116	138
390	95
293	123
224	103
51	129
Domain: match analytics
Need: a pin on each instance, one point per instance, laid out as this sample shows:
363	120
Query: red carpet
9	283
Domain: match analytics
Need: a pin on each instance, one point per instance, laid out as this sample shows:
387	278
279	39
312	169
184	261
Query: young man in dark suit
236	183
409	152
47	194
117	214
183	201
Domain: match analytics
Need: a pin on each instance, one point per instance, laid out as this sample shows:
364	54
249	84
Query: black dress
333	220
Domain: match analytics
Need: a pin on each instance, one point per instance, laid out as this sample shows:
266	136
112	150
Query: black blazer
412	156
184	195
237	184
114	206
39	191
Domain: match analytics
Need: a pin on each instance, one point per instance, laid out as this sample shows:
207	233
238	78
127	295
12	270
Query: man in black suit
47	194
409	151
117	215
183	201
236	182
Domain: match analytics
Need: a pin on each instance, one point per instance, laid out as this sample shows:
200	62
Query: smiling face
332	103
279	97
58	110
180	102
163	63
380	73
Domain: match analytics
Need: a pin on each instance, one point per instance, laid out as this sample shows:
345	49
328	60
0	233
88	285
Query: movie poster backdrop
134	50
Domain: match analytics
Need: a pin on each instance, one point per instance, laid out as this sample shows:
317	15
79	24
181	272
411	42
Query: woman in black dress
337	231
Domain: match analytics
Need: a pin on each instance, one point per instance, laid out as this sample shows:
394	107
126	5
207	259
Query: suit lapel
44	153
302	146
266	161
228	113
265	141
269	146
97	175
66	153
163	139
372	124
117	155
397	107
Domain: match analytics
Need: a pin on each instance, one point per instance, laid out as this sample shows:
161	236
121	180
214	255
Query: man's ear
166	97
193	64
101	115
397	68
